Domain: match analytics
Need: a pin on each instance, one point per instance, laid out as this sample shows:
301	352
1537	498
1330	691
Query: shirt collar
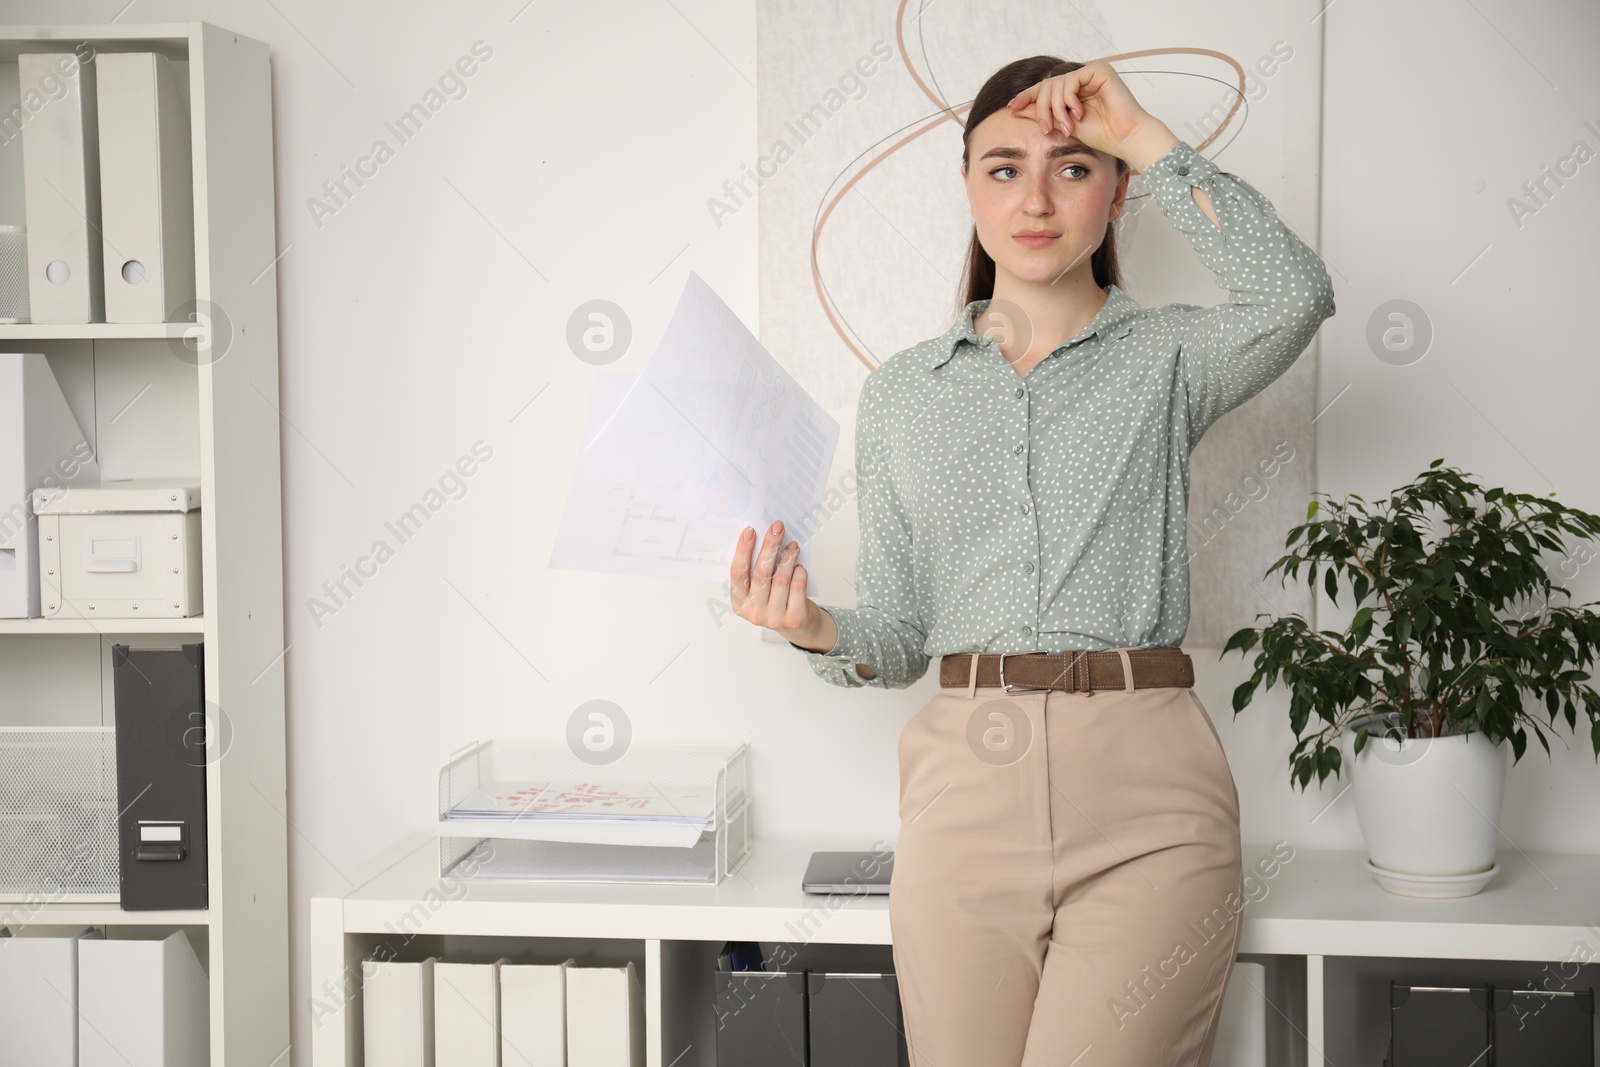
1113	320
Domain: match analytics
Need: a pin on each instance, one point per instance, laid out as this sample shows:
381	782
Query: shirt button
1024	509
1028	568
1027	631
1019	392
1019	450
1183	168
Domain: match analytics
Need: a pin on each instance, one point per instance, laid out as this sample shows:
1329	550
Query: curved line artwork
947	113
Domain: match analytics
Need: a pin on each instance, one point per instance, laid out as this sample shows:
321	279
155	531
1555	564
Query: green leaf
1311	510
1243	640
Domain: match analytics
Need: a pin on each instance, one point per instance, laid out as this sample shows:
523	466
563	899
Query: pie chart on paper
727	492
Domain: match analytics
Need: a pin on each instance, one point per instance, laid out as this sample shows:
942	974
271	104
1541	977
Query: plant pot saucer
1431	885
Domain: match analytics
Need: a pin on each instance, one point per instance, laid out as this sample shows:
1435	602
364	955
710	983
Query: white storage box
119	550
717	776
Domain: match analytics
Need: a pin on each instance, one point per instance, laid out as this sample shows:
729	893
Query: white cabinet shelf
151	412
89	914
193	626
1319	905
92	331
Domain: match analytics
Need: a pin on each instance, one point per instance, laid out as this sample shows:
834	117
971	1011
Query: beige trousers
1068	879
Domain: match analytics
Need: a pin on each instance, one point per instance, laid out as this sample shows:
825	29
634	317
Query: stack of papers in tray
611	813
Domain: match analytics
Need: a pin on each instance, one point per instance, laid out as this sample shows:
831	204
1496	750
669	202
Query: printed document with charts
714	435
639	813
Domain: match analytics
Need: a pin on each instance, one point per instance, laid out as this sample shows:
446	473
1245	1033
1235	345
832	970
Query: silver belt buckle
1006	686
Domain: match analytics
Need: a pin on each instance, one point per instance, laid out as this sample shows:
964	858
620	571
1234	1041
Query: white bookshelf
92	331
191	627
1327	933
151	414
79	915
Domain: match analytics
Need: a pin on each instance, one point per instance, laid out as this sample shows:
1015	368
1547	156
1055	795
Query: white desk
1319	904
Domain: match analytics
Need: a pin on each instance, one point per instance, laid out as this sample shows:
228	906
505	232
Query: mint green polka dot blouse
1048	511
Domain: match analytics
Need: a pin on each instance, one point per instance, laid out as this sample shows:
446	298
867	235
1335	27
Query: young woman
1068	875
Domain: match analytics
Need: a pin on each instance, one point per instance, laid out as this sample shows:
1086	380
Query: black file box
1540	1028
761	1018
161	776
1430	1026
761	1014
856	1020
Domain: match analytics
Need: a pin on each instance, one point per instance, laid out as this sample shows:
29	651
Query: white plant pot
1428	808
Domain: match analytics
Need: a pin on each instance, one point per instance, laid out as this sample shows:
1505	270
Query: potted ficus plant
1453	632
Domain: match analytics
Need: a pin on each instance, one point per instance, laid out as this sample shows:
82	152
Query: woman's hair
997	92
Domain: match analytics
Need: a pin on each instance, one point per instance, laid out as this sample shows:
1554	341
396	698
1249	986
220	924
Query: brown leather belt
1074	671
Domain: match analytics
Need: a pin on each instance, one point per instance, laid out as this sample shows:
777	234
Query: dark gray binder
161	776
1433	1025
761	1018
856	1020
1543	1028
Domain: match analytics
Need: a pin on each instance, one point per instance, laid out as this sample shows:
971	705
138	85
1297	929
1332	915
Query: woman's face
1019	180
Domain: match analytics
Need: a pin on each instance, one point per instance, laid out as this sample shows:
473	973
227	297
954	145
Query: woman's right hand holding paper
769	589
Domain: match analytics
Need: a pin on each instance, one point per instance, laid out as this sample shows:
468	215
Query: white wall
429	312
1433	122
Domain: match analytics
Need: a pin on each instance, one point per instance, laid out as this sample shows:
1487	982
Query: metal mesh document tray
473	849
58	814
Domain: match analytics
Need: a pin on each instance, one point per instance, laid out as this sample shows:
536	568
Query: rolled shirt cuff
1170	180
1182	165
851	643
